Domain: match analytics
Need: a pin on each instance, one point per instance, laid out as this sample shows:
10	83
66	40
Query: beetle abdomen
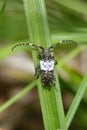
47	77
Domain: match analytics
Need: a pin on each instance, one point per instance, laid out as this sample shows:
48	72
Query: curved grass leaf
72	54
75	5
76	101
17	96
51	103
6	50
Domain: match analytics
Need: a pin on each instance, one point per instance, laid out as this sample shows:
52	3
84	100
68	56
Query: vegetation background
67	20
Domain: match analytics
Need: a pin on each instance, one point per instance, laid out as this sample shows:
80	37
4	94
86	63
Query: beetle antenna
27	44
61	42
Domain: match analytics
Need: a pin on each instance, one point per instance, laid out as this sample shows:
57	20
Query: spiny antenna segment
64	41
26	44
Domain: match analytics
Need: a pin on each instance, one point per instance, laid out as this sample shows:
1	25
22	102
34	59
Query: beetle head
46	54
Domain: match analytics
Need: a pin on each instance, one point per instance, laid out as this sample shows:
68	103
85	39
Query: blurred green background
67	20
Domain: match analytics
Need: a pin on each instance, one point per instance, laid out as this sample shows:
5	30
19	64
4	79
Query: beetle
47	62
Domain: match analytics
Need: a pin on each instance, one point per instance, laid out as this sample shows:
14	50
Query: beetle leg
54	82
56	62
39	56
52	57
37	71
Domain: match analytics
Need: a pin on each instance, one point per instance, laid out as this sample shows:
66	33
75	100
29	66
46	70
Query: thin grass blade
76	101
3	6
17	96
51	103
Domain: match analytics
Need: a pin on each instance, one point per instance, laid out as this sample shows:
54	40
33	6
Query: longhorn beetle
47	62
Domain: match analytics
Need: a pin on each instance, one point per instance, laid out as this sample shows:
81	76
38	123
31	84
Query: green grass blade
75	5
3	6
17	96
69	56
79	37
51	103
76	101
6	50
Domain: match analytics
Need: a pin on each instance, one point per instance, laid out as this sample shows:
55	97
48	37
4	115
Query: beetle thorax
47	65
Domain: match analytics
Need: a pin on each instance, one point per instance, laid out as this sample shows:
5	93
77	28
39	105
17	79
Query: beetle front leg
39	56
